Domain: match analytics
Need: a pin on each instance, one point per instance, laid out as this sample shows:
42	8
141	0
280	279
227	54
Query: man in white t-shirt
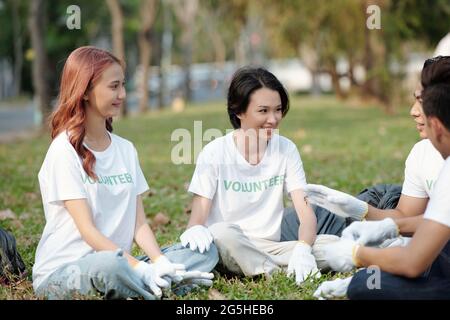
421	269
422	168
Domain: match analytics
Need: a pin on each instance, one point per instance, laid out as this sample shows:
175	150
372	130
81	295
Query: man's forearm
408	225
380	214
393	260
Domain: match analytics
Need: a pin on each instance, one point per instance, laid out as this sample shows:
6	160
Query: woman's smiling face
264	112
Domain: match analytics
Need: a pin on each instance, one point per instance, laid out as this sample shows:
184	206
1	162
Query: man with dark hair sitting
421	269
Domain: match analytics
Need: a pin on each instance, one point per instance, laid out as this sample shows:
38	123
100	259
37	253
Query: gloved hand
164	268
196	277
197	236
303	263
337	202
340	255
395	242
150	277
333	289
371	233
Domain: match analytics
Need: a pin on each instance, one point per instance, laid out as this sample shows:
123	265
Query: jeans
381	196
108	274
327	223
434	284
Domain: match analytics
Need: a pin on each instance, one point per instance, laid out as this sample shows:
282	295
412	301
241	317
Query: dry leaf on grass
214	294
7	214
188	208
307	149
159	220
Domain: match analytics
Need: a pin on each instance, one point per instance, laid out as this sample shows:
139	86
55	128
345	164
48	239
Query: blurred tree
222	26
321	33
186	12
210	14
147	14
14	37
115	10
37	27
18	49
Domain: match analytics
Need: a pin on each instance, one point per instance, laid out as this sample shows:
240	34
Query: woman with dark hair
92	185
421	268
239	181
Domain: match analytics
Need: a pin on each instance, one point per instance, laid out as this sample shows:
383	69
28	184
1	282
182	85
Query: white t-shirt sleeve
413	185
141	183
295	174
438	208
205	177
64	175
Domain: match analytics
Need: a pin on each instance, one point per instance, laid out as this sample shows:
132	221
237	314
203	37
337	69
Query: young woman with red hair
91	184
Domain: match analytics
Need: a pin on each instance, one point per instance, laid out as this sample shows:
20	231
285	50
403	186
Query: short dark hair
435	70
436	89
245	81
436	102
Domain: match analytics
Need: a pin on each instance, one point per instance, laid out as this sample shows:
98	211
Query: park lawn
342	145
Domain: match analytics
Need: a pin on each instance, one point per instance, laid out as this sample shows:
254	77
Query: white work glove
333	289
337	202
196	277
340	254
303	263
151	278
396	242
371	233
164	268
197	237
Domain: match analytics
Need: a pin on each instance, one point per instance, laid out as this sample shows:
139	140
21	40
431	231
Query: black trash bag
11	264
382	196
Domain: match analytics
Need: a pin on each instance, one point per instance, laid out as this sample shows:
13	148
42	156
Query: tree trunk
186	12
335	80
187	61
144	42
40	81
210	24
117	36
18	52
166	57
368	87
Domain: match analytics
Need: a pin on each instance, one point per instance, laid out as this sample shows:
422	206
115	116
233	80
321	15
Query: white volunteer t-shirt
422	169
250	196
112	200
438	208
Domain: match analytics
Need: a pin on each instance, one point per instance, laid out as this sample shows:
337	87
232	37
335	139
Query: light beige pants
243	255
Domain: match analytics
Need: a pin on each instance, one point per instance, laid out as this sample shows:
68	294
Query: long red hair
82	70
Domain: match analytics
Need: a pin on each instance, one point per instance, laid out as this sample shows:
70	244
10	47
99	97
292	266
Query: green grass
342	146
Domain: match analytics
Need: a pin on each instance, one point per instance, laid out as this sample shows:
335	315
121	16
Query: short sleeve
141	183
64	176
438	208
295	174
413	186
205	177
